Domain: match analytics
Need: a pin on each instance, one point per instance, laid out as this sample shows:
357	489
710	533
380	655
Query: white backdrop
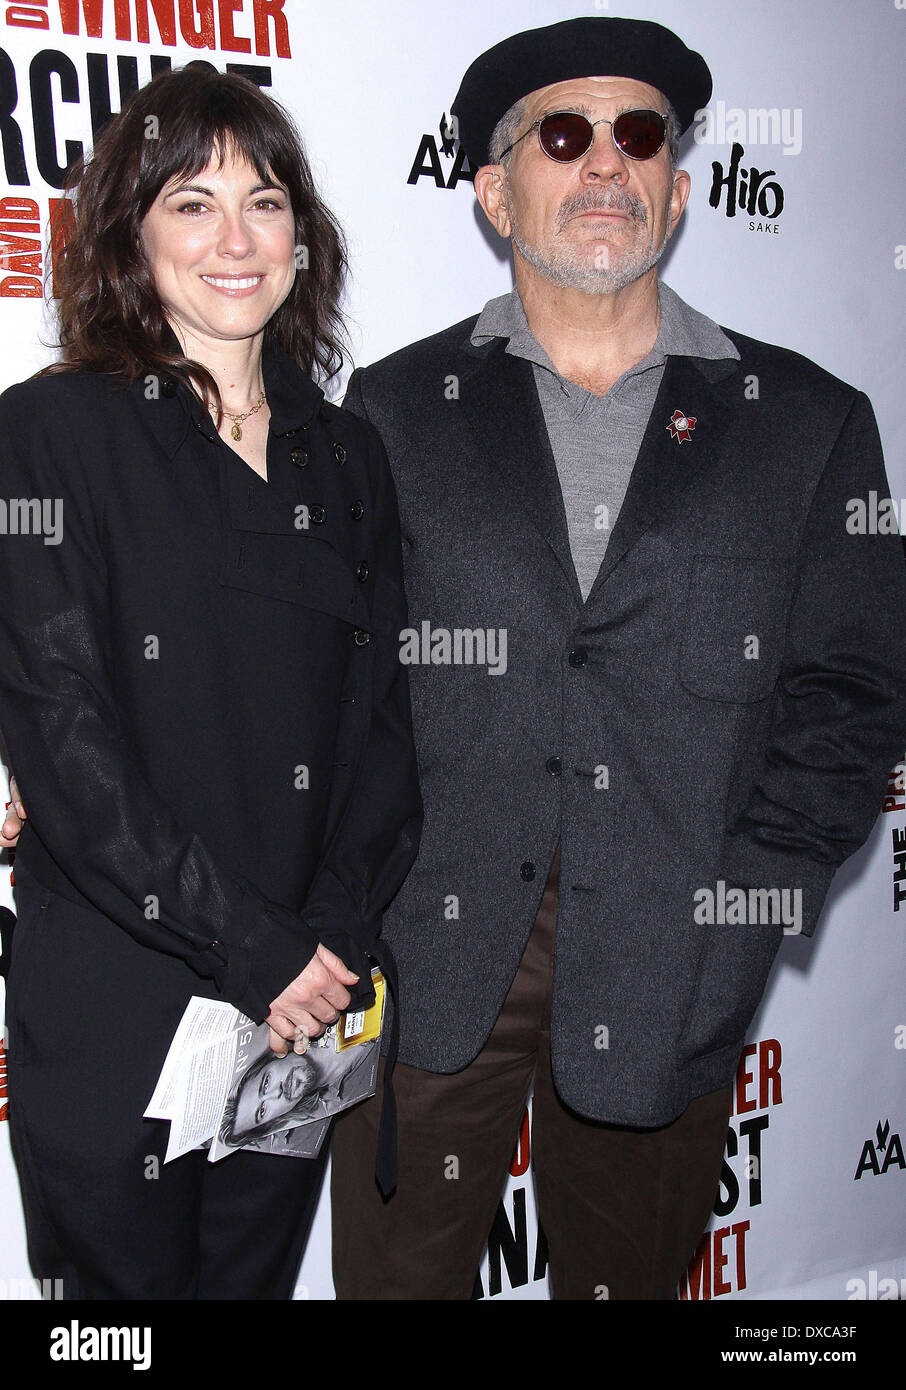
812	1202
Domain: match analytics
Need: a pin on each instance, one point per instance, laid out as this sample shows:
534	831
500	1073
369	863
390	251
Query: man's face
273	1089
601	222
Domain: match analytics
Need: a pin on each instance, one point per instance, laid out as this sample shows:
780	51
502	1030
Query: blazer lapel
500	398
665	465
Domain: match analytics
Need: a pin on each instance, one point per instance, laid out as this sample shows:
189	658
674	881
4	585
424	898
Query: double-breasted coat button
317	514
528	871
168	387
554	767
339	453
299	457
362	572
361	638
578	656
357	510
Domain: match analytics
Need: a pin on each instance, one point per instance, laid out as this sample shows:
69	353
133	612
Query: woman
210	647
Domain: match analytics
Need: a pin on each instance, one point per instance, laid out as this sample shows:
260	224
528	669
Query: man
704	687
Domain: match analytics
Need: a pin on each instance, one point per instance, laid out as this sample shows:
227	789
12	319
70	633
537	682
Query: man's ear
682	186
491	190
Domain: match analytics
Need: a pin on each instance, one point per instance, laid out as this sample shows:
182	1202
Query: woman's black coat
200	688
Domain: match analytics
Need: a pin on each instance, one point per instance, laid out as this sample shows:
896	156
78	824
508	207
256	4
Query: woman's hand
304	1009
313	1000
15	816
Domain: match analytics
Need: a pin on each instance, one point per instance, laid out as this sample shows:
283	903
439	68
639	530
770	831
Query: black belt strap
385	1166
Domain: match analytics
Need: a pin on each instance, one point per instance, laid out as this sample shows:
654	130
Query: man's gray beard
570	268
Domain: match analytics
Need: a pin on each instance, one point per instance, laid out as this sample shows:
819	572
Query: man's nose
602	160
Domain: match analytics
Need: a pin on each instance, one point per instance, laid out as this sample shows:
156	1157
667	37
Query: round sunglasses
566	135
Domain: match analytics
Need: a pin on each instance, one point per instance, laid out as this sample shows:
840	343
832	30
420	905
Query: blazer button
528	871
317	514
168	387
554	767
361	638
299	457
578	656
362	572
339	453
357	510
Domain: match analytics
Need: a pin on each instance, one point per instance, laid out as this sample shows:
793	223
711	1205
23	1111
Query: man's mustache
614	201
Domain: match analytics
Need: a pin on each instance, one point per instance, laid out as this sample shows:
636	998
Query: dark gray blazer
762	773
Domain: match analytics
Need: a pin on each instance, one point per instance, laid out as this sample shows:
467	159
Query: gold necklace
236	431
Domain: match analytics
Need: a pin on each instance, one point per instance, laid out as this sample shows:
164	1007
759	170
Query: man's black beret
592	47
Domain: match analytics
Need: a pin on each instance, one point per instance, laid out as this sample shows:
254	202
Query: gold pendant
236	431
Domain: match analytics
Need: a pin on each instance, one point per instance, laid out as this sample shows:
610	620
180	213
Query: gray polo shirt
595	439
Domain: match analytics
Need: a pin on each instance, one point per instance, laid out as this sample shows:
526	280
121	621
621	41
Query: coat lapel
500	398
665	466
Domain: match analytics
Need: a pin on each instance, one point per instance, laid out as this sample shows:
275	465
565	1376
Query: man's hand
314	999
14	818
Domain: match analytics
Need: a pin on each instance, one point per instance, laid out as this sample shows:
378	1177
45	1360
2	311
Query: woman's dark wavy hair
111	317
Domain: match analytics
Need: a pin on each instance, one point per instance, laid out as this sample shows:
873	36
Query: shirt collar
292	397
683	332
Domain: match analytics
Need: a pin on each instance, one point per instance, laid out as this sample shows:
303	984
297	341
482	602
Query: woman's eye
196	209
260	1114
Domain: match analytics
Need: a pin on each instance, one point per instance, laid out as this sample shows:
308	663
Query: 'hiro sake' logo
750	190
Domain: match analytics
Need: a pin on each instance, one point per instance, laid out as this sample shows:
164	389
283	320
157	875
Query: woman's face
221	249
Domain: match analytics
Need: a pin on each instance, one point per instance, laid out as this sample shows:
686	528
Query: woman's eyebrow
199	188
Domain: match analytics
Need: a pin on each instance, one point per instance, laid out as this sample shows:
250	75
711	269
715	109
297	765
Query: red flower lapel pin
681	426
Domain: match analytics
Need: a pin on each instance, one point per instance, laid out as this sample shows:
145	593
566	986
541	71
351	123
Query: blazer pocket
734	625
